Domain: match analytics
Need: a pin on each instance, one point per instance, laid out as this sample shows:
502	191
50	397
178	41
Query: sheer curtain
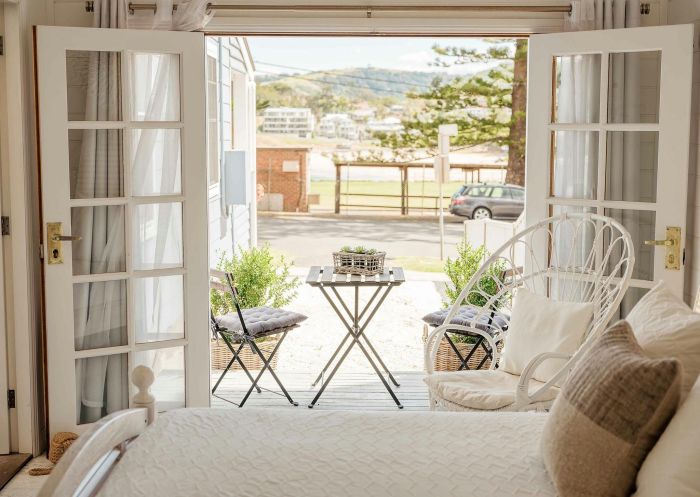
578	101
100	309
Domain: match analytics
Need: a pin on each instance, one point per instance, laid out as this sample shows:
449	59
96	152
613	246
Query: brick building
283	172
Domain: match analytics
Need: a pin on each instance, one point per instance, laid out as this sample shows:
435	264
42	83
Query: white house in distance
288	120
338	126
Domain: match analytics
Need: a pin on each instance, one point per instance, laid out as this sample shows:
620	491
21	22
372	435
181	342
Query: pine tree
487	108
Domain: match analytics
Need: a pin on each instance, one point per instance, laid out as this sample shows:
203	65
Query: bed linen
295	452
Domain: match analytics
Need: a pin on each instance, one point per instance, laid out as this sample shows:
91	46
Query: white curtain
578	101
100	308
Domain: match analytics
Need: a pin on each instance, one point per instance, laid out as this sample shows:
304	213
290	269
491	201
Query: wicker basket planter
364	264
221	355
447	360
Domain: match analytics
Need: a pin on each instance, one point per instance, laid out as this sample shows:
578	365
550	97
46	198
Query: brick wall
292	185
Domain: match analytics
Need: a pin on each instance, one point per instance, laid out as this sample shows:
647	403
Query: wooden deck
347	391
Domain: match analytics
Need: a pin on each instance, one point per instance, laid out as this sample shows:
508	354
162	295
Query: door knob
672	259
66	238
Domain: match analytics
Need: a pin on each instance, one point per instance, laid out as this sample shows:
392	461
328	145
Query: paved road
311	240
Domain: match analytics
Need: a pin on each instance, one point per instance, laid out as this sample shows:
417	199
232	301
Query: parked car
485	201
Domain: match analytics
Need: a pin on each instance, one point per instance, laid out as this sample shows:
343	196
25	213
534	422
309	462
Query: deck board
347	391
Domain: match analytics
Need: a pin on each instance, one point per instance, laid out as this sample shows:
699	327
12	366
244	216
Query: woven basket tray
447	360
364	264
221	355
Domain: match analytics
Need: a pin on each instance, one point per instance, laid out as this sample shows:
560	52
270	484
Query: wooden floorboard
346	391
10	466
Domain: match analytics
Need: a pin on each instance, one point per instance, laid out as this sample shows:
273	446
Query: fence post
337	188
404	190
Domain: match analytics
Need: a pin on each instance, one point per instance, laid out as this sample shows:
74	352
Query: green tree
488	107
327	102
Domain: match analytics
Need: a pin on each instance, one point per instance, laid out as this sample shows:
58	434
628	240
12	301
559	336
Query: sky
324	53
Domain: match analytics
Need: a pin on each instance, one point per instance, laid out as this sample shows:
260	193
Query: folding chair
242	328
465	315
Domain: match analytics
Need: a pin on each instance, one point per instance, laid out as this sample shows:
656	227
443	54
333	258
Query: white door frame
56	205
676	45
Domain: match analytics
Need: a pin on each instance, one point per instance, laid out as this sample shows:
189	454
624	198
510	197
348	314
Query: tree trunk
516	139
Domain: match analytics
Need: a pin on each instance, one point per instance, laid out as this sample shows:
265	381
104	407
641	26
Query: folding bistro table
325	279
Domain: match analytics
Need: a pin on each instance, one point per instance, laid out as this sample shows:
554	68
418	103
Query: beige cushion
673	465
666	327
608	415
537	325
481	389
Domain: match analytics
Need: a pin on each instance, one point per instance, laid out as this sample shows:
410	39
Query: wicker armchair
569	257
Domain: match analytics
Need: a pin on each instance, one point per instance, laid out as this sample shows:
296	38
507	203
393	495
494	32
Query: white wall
682	12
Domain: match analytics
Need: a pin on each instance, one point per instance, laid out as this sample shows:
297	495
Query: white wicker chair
569	257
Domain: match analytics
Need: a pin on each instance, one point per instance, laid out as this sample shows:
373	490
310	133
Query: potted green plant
358	260
261	280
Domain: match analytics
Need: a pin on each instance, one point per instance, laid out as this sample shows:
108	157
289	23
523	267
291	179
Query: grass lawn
326	189
418	263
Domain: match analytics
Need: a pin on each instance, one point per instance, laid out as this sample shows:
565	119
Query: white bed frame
88	462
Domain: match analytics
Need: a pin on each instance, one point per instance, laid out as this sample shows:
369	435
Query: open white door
124	183
608	128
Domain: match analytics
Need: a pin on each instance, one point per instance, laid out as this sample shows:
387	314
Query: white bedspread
295	453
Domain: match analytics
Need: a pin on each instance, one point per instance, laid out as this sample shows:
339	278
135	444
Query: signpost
442	173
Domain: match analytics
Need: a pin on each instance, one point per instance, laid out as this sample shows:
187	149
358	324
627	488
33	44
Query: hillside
356	83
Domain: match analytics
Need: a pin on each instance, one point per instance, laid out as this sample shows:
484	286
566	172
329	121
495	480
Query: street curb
360	217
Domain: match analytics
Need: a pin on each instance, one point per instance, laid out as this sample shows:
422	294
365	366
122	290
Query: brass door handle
665	243
672	244
66	238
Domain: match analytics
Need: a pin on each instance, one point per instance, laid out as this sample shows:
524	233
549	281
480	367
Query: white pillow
538	324
673	465
666	327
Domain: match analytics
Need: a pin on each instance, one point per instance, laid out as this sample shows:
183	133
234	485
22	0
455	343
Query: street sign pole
442	172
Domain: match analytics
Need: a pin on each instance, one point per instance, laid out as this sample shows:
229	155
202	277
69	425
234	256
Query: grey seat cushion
464	317
259	321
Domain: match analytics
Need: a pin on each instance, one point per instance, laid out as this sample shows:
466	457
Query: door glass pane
169	368
101	247
155	87
574	164
156	162
99	314
96	163
158	308
633	87
93	85
640	225
576	95
101	386
157	238
632	164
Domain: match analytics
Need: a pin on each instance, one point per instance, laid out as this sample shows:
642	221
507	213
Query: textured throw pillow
608	415
673	465
666	327
538	324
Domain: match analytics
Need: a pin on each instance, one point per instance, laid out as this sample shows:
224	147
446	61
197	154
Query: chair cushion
539	324
465	316
487	390
609	414
260	321
666	327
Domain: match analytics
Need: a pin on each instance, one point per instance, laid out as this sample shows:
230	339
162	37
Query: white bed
295	452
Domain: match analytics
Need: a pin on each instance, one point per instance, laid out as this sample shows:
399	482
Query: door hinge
11	399
2	45
5	225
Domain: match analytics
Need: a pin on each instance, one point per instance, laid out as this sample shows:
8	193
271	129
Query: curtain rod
645	8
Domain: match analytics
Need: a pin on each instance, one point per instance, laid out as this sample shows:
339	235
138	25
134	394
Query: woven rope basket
363	264
447	360
221	355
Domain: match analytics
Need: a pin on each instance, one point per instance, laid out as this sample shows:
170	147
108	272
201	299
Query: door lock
55	239
672	243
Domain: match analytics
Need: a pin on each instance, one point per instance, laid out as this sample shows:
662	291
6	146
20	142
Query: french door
608	128
124	203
